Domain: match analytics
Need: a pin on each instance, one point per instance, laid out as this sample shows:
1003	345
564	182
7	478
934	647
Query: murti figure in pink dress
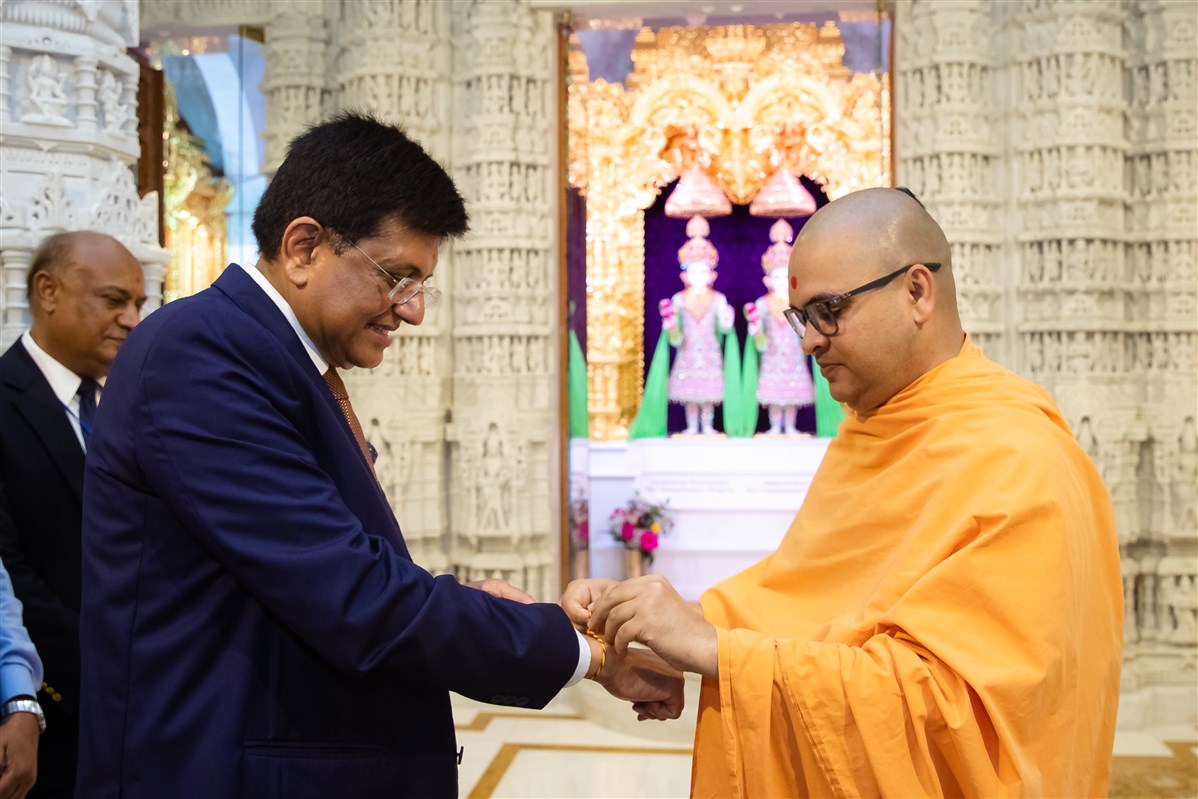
783	382
695	318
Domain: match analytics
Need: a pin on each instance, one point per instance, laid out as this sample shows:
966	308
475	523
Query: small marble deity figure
783	383
46	97
696	318
116	113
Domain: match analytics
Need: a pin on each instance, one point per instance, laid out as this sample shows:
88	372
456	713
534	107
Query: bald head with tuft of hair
894	226
889	336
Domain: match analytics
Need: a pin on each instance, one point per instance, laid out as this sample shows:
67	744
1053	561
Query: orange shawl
944	616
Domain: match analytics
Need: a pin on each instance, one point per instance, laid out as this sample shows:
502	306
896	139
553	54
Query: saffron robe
943	617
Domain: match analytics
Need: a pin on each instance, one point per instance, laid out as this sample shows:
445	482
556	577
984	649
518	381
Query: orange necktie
333	380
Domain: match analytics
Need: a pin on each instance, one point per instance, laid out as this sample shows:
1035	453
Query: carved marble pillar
296	83
948	148
58	169
1068	183
505	418
406	85
407	398
1161	250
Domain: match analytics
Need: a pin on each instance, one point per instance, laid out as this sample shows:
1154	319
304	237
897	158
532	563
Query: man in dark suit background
254	625
85	294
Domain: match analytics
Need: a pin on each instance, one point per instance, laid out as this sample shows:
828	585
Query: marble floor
560	752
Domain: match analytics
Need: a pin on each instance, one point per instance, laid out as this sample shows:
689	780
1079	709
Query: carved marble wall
503	496
68	139
1056	141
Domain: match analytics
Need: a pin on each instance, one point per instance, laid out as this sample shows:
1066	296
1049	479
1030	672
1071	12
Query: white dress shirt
63	382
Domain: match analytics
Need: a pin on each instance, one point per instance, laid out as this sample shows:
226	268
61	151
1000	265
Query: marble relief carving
503	279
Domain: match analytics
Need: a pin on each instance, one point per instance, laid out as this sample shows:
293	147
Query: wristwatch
23	704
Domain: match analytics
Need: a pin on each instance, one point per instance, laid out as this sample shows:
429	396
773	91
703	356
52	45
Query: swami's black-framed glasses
824	312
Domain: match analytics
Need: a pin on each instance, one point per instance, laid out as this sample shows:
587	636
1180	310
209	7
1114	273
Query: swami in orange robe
944	616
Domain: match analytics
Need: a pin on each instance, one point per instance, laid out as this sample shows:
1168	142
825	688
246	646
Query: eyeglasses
403	289
823	314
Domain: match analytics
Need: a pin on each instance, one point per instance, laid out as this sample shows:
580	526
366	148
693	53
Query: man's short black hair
353	173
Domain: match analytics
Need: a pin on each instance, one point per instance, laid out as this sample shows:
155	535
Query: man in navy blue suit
253	624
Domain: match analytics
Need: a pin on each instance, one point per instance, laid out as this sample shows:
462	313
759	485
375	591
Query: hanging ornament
697	195
782	195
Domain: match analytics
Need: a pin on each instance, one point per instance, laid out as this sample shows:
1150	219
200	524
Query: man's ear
46	292
921	288
297	250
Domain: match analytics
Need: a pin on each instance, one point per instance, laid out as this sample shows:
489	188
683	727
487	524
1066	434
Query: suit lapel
35	401
362	491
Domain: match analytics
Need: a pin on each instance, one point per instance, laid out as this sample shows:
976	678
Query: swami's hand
18	755
502	589
649	610
655	689
580	595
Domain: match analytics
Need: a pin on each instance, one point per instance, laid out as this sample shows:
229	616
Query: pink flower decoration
648	540
584	531
627	531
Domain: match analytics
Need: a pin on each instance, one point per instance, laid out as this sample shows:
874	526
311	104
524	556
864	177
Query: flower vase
634	562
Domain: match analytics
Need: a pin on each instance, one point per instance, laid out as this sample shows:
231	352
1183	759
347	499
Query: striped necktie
333	380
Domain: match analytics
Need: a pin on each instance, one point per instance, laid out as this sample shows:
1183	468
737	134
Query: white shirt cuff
584	660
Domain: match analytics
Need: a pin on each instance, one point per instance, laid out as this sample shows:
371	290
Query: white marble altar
731	500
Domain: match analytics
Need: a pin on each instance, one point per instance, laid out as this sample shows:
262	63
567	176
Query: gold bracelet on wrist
602	651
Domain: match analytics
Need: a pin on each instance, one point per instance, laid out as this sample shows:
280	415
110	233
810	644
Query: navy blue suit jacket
253	625
41	505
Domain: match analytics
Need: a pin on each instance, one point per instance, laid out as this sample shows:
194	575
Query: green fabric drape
734	398
748	389
650	421
828	412
576	390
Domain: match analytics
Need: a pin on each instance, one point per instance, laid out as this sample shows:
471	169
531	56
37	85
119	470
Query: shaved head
890	335
893	228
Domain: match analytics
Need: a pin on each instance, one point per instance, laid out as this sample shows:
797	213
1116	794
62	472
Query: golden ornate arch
738	101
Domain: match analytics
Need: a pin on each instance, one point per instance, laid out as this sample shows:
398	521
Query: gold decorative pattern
738	101
197	229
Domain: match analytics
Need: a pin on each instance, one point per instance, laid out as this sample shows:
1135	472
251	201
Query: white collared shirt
318	360
63	382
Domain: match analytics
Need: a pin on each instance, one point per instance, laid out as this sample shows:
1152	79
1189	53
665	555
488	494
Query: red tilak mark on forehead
794	282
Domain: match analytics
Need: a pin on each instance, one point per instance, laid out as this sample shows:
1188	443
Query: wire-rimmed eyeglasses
823	313
403	289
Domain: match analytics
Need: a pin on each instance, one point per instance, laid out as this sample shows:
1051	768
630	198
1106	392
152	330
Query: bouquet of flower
580	531
639	525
